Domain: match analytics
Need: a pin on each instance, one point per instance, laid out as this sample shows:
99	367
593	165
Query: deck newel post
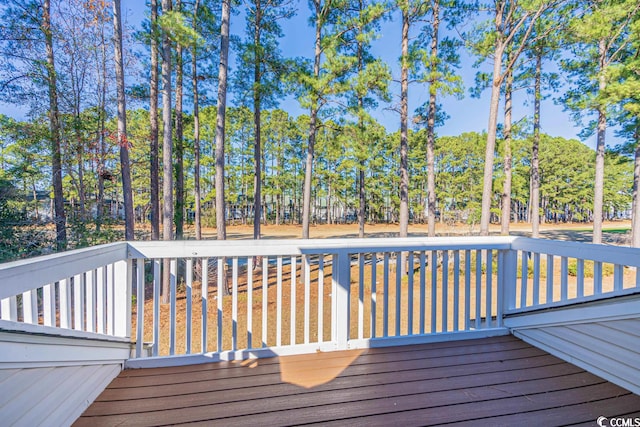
123	283
509	282
341	286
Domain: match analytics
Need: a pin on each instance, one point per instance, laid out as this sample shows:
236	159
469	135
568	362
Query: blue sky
468	114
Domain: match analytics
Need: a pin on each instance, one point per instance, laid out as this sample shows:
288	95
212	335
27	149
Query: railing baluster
502	288
597	277
361	295
549	290
91	300
279	302
467	289
374	296
321	298
399	270
536	279
564	279
618	277
101	299
456	290
109	290
65	303
29	314
524	279
234	303
265	298
489	289
189	291
478	288
433	263
140	306
307	297
204	295
385	299
580	277
49	305
173	269
156	307
78	302
423	284
292	325
410	295
445	291
220	295
249	302
35	307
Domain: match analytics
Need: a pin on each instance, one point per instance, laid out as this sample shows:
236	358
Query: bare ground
615	232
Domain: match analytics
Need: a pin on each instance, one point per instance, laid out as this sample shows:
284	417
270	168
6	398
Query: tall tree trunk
196	128
220	123
506	187
278	185
635	213
404	126
487	186
54	127
362	197
535	165
598	189
82	193
167	148
179	167
101	130
257	150
313	114
122	124
220	118
404	134
431	129
153	127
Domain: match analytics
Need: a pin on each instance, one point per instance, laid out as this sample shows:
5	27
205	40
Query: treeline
566	175
205	137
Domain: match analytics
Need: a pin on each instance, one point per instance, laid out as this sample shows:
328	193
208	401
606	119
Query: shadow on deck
490	381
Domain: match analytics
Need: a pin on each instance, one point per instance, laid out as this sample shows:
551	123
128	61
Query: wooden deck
493	381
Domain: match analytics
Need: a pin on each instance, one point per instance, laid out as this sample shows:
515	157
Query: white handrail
345	293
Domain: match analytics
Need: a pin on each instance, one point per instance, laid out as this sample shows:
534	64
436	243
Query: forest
146	131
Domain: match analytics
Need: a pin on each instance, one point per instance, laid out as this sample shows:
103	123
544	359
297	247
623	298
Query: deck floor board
495	381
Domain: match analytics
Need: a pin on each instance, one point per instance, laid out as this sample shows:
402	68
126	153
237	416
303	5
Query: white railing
238	299
84	290
553	273
316	294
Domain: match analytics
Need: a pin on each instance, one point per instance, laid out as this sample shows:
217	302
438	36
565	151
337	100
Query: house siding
605	341
51	395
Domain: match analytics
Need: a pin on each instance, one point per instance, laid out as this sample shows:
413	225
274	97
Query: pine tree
600	31
123	142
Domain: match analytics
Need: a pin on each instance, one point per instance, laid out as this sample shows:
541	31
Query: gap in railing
557	279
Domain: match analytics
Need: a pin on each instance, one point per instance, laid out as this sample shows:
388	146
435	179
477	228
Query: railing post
123	280
341	287
509	282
